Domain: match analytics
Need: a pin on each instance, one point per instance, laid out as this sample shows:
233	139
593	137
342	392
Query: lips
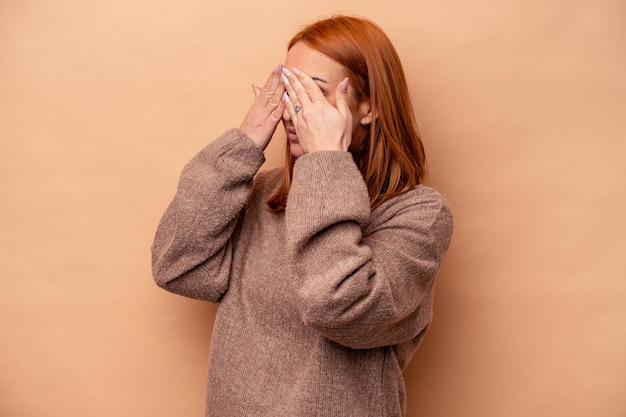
291	135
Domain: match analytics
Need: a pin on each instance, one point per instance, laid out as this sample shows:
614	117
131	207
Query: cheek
332	99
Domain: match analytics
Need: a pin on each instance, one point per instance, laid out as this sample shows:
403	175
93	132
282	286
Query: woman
324	270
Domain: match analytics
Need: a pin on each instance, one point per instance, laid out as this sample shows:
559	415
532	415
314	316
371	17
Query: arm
192	251
362	291
193	247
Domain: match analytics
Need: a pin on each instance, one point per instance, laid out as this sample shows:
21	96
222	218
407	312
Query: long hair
389	151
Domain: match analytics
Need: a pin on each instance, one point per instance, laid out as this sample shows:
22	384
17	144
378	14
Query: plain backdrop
522	107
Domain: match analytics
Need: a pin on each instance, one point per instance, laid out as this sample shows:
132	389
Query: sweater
321	305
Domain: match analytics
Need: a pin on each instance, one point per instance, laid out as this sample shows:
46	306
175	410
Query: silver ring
297	108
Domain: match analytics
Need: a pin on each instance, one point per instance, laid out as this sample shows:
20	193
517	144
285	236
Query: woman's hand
266	110
319	125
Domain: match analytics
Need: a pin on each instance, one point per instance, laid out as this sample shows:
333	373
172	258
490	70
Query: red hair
389	151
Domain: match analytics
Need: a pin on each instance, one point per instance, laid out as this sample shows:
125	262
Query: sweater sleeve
362	290
193	246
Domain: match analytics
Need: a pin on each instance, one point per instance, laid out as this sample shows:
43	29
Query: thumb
341	96
256	91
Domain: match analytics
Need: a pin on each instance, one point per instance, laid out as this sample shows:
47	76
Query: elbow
160	271
344	329
199	283
366	336
344	336
368	328
163	269
160	276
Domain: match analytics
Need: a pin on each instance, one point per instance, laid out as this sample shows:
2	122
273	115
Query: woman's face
327	74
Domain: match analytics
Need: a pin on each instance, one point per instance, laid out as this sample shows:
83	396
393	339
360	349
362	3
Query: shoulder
423	210
427	200
424	200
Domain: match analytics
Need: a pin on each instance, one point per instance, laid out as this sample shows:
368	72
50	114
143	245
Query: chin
296	150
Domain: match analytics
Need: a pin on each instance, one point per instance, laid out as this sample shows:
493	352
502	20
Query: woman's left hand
319	125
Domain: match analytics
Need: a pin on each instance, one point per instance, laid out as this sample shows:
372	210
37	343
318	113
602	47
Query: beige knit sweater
322	305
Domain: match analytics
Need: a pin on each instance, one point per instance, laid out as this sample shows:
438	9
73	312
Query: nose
286	115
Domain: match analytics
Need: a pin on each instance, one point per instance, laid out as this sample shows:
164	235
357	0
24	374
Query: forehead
314	63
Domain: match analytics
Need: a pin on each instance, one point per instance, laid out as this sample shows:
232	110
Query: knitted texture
322	305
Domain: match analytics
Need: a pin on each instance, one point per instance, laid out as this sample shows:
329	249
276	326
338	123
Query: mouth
291	134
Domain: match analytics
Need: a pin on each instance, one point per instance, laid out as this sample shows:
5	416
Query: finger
290	107
276	97
312	89
277	114
290	97
341	95
273	88
300	94
275	100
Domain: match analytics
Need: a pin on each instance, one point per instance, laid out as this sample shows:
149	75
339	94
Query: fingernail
278	69
344	84
296	71
286	97
286	72
284	79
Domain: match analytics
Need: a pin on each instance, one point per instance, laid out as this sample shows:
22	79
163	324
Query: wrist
260	141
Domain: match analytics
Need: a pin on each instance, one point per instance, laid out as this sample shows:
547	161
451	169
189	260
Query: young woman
324	270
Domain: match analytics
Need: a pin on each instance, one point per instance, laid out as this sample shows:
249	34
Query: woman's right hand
266	110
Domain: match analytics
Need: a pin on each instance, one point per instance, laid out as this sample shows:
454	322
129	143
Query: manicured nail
344	84
284	79
278	69
286	97
286	72
296	71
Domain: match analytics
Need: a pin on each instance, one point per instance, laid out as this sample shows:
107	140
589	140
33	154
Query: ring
297	108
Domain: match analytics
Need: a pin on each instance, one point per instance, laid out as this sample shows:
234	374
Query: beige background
522	105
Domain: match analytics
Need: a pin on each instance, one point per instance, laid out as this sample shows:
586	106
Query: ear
365	111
